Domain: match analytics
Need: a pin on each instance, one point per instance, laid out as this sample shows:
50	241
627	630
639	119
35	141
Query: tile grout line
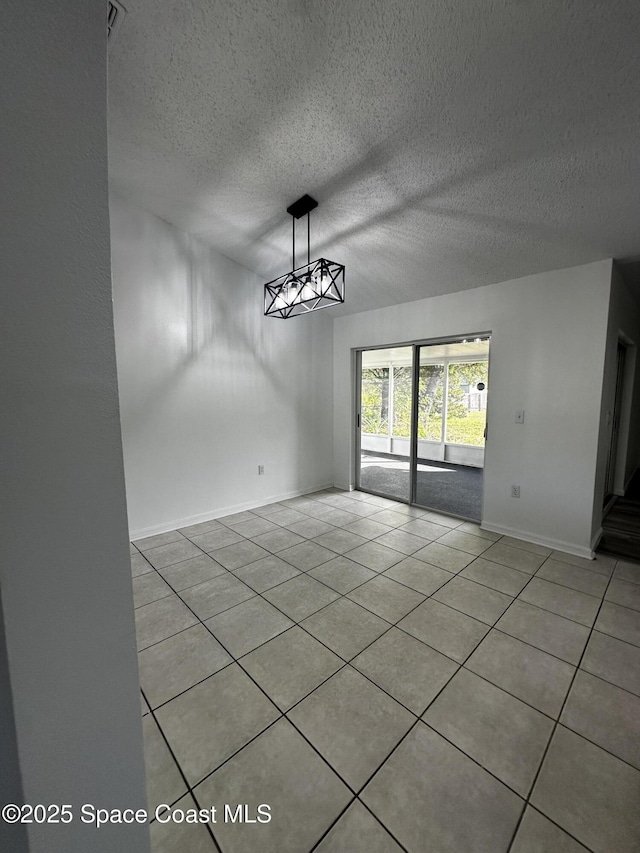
281	715
356	799
284	714
297	623
552	612
555	823
180	771
455	746
254	595
348	662
391	625
463	666
557	721
470	757
420	719
345	595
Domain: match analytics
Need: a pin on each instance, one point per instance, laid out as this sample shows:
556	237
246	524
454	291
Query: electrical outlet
515	491
520	417
260	469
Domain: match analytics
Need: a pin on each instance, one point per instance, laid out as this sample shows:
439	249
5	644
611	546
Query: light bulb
292	293
307	291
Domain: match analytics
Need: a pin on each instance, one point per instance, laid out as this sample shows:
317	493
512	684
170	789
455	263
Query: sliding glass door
451	414
385	422
422	424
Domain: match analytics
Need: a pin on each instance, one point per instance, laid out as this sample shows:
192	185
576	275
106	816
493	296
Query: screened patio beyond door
437	420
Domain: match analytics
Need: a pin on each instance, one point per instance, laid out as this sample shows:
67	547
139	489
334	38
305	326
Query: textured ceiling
449	144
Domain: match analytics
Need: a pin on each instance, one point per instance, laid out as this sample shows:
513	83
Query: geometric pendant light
317	284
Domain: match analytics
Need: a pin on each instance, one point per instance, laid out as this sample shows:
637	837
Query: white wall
624	324
547	355
209	387
64	559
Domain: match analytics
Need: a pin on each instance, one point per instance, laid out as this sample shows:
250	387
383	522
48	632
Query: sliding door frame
358	420
415	384
413	445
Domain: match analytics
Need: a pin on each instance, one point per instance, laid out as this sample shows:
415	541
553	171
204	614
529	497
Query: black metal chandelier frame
315	285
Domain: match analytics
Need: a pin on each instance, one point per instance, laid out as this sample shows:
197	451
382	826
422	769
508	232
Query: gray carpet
441	486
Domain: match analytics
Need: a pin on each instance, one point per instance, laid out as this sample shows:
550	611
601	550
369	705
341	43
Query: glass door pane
450	426
430	396
466	403
385	422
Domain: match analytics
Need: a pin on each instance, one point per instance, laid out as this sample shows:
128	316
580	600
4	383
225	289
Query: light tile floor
387	679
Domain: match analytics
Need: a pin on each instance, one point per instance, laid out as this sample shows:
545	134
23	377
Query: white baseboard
554	544
220	512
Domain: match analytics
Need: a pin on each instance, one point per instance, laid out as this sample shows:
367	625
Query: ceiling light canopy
317	284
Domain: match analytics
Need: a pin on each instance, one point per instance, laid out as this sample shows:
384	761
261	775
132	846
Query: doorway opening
421	423
612	456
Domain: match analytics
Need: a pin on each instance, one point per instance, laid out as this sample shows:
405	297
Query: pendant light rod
302	207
